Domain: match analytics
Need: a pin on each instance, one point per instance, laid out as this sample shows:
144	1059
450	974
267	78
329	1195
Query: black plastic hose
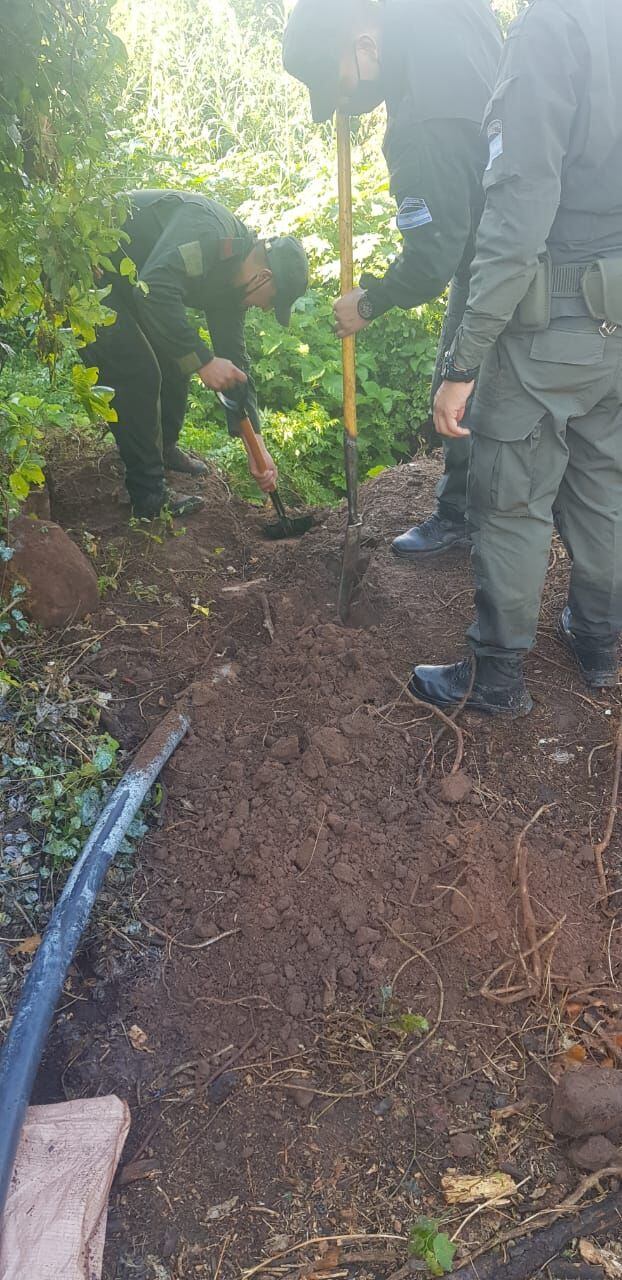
23	1047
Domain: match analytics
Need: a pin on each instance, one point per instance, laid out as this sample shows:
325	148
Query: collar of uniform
236	246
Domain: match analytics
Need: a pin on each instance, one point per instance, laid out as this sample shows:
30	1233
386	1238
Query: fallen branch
527	1259
574	1271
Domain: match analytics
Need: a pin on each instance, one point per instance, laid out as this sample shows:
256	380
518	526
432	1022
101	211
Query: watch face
365	307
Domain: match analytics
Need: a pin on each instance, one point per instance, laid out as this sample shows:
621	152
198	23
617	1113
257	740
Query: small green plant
409	1024
433	1246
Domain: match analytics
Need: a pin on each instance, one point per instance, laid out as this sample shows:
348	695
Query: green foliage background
101	96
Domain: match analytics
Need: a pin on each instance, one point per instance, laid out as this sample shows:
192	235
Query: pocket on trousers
502	474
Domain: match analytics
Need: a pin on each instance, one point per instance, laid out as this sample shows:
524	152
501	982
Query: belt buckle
607	329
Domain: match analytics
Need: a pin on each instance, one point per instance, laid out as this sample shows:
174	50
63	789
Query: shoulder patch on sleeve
495	142
192	255
413	212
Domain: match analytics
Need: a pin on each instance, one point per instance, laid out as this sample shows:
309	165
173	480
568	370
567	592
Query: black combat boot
430	538
150	505
498	689
598	664
176	459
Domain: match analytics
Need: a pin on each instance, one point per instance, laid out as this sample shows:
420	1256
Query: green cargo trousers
547	449
451	492
150	400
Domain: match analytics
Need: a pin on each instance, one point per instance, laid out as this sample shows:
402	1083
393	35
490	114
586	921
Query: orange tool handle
249	437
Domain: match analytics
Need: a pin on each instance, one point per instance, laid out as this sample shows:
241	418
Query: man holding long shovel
434	63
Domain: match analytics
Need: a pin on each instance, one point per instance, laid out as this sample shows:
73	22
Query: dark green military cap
288	263
312	46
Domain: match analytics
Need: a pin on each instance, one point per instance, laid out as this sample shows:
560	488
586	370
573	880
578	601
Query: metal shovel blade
350	569
290	527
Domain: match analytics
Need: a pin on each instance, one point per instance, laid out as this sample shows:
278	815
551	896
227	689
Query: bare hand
347	318
267	475
220	374
450	404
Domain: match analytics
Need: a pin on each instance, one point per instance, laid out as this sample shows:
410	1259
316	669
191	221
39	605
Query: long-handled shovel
352	548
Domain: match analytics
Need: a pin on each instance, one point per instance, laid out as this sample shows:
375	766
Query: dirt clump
587	1102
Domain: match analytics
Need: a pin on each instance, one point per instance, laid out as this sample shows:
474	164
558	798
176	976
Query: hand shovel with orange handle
350	568
286	526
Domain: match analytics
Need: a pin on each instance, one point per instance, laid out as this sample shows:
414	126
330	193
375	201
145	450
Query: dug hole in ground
324	996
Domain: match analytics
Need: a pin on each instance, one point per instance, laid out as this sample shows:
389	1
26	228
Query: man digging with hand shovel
189	252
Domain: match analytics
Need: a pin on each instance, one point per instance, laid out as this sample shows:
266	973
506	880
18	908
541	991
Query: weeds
431	1245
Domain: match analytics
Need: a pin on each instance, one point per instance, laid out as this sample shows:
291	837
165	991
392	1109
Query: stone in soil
456	787
286	749
464	1146
332	746
587	1102
61	585
594	1154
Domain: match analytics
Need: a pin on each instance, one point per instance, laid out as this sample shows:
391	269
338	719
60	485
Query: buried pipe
23	1047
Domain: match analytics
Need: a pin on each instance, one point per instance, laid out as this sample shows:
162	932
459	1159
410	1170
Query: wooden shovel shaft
351	552
347	268
249	437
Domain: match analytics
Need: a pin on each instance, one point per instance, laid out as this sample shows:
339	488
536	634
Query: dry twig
267	616
187	946
448	721
308	1244
601	848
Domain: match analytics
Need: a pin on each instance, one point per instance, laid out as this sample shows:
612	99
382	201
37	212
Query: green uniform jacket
187	250
554	176
439	60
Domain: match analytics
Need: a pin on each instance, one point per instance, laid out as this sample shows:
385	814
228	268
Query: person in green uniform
434	63
542	339
189	252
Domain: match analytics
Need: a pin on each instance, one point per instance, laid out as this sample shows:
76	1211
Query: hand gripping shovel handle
247	432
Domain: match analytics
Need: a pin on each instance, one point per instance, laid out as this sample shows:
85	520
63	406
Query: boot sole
485	709
188	509
591	679
410	557
186	471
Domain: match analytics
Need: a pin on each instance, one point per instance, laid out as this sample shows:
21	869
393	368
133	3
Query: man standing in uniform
542	335
434	63
189	252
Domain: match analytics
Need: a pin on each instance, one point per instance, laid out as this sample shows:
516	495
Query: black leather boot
176	459
430	538
153	504
598	664
498	689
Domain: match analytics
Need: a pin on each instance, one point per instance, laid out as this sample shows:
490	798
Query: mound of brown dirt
365	893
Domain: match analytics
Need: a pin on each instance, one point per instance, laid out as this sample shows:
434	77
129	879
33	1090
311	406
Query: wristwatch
451	373
365	307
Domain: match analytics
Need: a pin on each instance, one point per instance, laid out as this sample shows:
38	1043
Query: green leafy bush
161	102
